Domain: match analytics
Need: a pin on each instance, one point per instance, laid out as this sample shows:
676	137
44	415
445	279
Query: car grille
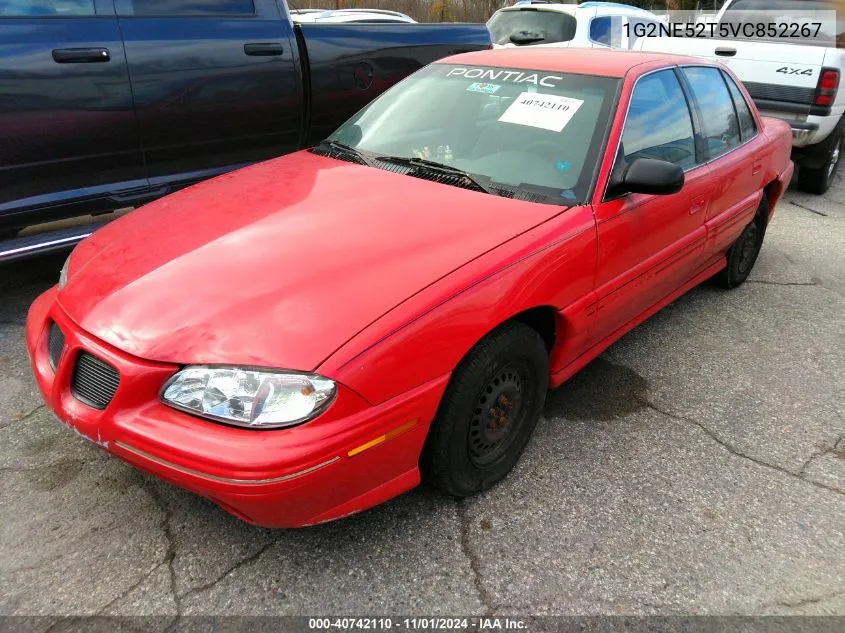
94	382
55	345
773	92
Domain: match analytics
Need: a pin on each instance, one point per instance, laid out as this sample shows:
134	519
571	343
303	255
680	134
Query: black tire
488	412
818	180
743	253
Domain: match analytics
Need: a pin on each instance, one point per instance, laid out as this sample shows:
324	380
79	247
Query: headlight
253	398
63	273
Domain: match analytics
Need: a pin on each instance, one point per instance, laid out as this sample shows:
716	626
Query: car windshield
513	129
531	26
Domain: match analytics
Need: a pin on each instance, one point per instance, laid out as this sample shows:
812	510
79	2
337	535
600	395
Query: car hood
278	264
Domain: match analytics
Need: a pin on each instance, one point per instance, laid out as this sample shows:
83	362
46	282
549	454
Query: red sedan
309	336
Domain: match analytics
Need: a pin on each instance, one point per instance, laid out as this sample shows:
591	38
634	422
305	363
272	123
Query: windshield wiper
346	149
526	39
424	163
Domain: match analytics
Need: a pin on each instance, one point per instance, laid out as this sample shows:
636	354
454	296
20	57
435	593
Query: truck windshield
531	26
516	130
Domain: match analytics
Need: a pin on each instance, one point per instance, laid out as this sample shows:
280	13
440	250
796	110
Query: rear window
192	7
530	26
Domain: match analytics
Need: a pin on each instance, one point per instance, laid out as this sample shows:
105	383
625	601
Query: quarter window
746	120
658	124
192	7
607	31
718	117
36	8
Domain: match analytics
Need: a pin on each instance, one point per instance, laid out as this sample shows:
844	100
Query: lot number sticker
550	112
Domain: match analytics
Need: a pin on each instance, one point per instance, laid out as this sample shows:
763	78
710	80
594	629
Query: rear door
67	124
216	84
735	151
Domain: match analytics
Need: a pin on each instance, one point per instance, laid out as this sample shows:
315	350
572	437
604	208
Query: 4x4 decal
788	70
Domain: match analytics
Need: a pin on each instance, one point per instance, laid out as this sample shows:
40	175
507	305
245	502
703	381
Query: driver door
650	245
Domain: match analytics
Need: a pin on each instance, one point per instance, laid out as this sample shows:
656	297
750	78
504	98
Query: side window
606	30
746	120
58	8
721	127
658	124
192	7
600	31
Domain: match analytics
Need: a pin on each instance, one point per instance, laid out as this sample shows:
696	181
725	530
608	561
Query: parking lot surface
696	467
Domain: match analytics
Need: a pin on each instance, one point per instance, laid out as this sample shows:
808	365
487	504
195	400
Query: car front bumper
351	457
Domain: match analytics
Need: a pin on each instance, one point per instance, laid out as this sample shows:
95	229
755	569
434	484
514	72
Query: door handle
723	51
264	49
697	204
81	55
756	168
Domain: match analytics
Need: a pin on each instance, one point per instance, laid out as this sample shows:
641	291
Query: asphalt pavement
696	467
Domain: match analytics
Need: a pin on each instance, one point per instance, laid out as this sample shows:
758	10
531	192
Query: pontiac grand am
312	335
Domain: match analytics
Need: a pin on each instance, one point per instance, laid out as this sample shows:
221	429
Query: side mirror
648	175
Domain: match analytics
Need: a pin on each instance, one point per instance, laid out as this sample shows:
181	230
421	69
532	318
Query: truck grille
773	92
94	382
55	345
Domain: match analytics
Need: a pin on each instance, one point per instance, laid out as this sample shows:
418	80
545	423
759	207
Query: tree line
461	10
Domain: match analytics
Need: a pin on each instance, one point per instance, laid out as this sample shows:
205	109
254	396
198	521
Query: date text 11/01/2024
418	624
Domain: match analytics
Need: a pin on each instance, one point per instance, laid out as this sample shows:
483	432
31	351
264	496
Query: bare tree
458	10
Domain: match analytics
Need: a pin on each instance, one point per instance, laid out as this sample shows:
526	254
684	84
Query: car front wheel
488	412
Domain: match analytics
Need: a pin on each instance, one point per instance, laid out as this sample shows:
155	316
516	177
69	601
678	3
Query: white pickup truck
797	82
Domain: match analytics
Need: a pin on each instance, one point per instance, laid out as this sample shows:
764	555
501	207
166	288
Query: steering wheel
544	149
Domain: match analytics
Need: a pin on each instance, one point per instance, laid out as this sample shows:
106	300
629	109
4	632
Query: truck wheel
488	412
819	180
743	253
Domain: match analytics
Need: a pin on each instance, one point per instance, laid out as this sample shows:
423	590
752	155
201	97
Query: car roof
583	61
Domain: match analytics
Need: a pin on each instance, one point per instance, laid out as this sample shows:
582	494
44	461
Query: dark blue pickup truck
108	104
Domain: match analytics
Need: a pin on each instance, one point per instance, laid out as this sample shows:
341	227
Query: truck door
216	84
67	123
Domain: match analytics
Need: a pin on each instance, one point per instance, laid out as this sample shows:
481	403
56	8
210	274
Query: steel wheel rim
834	159
497	417
748	250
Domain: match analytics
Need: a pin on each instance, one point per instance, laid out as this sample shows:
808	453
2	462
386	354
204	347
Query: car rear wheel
743	253
488	412
818	180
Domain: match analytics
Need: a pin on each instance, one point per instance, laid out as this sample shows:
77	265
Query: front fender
426	336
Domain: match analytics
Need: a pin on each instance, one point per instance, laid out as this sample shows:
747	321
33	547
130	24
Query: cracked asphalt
697	467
